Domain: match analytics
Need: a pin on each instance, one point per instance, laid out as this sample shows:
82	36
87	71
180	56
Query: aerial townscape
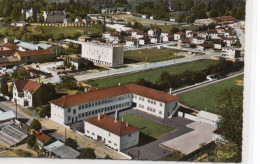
158	80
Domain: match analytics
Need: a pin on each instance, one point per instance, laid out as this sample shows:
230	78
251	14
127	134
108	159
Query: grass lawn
205	97
175	156
149	130
151	75
151	55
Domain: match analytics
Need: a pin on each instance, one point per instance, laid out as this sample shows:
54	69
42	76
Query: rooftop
66	152
35	52
27	85
67	101
11	46
43	137
53	146
4	116
223	19
108	123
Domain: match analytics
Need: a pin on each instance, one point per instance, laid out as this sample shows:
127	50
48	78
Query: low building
9	46
197	40
27	12
135	32
154	32
54	16
155	39
230	53
179	35
35	56
59	149
143	41
115	38
75	108
131	42
42	139
7	116
8	62
224	20
204	46
36	73
213	34
168	38
103	54
84	38
191	34
26	92
184	43
117	135
11	136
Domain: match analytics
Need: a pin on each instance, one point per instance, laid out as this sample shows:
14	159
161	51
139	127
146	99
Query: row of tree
166	80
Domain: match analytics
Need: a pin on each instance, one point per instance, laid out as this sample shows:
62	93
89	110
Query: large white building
116	134
75	108
104	54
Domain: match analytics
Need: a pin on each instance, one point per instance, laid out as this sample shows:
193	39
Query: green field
149	130
151	75
205	97
151	55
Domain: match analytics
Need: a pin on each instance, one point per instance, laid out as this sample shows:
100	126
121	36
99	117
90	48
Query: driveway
191	141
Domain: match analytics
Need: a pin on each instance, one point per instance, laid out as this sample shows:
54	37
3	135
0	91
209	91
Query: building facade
116	134
75	108
54	16
104	54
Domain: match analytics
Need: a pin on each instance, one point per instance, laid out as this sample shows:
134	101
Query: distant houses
54	16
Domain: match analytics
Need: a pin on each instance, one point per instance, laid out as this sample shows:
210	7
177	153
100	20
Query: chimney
119	84
170	90
122	119
126	123
86	89
99	116
116	116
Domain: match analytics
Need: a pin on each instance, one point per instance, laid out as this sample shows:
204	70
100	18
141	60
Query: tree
31	140
4	86
174	30
36	125
230	108
87	153
69	82
71	142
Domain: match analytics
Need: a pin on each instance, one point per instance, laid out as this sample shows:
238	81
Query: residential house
191	34
42	139
35	56
75	108
154	32
131	42
28	13
115	38
229	41
144	41
203	22
213	34
9	46
84	38
168	38
197	40
135	31
184	43
116	134
224	20
230	53
155	39
204	46
179	35
26	93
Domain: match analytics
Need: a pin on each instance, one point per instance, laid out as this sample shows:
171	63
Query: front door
72	120
76	119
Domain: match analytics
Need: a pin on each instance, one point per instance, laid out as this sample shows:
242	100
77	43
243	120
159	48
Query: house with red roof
10	46
179	35
34	56
42	139
117	135
75	108
25	93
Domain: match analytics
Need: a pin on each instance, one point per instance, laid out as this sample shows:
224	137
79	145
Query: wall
57	114
129	141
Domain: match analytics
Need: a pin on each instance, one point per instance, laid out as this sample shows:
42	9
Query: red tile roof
11	46
35	52
43	137
185	40
67	101
181	33
35	71
108	123
7	52
223	19
27	85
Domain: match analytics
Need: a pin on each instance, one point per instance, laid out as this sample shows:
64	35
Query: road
241	36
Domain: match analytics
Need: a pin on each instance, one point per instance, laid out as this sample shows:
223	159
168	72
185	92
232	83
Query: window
86	114
74	111
160	112
109	141
87	131
86	105
148	100
160	104
69	110
115	144
69	118
129	135
93	134
79	115
82	107
82	114
79	107
109	134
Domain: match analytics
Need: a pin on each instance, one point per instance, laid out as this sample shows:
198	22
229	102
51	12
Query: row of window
153	110
106	109
101	102
108	140
149	100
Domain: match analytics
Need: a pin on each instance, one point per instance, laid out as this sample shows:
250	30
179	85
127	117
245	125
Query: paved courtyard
191	141
152	150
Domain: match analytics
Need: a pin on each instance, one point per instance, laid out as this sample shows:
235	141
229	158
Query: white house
144	16
198	40
154	32
135	32
131	42
203	35
25	92
179	35
204	46
230	53
28	12
191	34
229	41
184	43
151	17
75	108
115	38
104	54
213	34
143	41
168	38
155	39
164	34
117	135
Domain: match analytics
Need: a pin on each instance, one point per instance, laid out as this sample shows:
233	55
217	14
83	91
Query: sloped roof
108	123
223	19
27	85
35	52
11	46
67	101
43	137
